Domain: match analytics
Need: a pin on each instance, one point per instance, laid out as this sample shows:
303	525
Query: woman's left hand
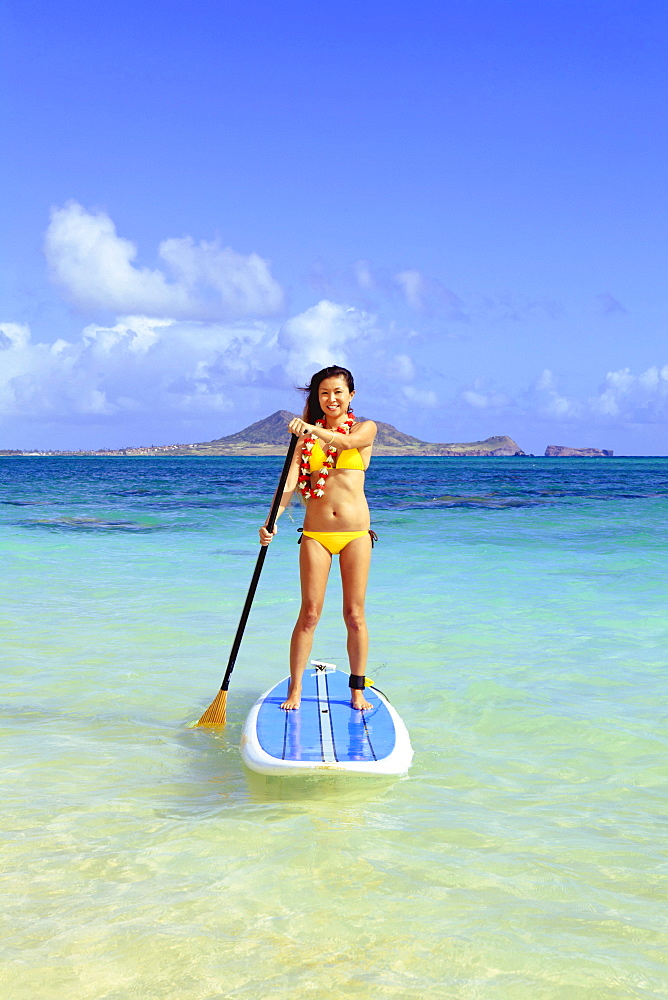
300	427
266	536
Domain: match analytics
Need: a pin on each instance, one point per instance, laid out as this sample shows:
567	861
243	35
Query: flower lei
304	480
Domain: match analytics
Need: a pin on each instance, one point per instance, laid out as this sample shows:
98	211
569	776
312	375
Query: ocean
517	611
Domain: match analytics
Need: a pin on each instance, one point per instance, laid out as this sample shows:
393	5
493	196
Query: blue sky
464	202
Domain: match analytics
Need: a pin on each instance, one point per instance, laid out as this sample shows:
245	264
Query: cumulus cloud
622	398
95	268
379	290
476	399
484	400
479	396
43	379
637	398
414	287
13	336
363	275
549	401
420	397
137	365
140	371
395	369
154	365
321	336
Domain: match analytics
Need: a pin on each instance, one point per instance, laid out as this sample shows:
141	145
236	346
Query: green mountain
270	437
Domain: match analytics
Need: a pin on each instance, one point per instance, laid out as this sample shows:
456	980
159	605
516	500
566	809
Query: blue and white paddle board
325	733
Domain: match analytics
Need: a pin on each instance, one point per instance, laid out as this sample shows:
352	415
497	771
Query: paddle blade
216	713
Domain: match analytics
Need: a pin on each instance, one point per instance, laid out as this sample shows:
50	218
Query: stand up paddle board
325	733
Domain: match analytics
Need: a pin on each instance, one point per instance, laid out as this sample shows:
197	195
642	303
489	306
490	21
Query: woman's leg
314	565
355	560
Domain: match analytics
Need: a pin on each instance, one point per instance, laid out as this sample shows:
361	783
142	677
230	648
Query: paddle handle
271	521
273	513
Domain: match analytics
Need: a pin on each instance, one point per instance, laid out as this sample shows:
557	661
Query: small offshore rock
559	451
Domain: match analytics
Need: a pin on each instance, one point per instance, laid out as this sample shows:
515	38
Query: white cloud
421	397
479	397
243	284
138	365
43	379
94	267
414	288
144	365
321	336
162	372
622	398
549	402
363	275
401	366
13	336
476	399
635	398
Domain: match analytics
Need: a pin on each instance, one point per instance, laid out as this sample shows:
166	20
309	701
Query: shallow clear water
518	619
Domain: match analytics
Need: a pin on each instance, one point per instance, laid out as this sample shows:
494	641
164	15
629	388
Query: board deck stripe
325	719
331	720
368	736
285	736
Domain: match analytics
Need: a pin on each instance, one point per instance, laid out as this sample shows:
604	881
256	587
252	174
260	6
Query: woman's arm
361	436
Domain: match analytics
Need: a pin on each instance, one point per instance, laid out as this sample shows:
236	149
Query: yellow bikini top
350	459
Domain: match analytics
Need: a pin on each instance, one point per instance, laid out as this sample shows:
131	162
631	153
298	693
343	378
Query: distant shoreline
269	437
281	454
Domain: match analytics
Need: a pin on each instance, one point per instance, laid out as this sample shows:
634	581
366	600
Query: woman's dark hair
313	410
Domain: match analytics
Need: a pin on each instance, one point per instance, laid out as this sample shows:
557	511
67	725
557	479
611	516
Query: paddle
216	713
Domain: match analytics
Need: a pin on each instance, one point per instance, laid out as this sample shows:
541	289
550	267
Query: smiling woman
329	470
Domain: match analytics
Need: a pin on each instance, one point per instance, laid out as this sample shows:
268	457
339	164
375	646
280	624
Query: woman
331	458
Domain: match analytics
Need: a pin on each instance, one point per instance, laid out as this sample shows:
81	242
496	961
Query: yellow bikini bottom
334	541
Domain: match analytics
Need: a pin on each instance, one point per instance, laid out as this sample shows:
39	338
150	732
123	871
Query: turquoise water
518	620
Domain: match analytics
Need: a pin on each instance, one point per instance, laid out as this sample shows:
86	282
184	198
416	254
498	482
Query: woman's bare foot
294	698
359	701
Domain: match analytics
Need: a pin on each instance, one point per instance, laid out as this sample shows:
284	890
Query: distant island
559	451
270	437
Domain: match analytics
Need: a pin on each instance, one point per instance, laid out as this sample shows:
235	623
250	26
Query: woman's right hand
300	427
266	536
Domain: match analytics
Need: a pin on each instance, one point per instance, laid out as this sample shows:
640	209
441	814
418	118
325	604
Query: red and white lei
304	481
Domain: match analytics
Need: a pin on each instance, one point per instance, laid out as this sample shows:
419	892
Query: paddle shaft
258	565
